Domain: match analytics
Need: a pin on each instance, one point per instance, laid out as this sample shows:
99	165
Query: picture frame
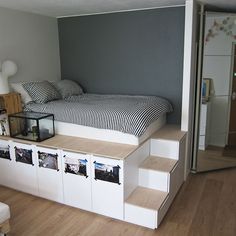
4	125
5	152
106	172
24	155
206	86
76	166
48	160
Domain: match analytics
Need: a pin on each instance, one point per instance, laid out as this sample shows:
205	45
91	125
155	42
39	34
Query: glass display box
33	126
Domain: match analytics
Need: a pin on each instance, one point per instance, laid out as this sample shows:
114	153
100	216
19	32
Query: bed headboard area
136	52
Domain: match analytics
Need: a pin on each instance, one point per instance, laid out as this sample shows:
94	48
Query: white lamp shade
9	68
4	87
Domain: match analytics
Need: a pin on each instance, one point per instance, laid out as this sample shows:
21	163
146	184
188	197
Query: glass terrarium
33	126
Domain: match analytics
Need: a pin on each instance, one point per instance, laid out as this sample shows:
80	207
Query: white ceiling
57	8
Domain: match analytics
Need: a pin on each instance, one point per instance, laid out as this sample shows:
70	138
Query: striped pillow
68	88
42	92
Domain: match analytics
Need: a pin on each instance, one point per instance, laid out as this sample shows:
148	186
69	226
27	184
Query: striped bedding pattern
125	113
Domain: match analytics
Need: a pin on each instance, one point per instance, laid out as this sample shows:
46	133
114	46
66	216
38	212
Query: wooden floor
205	205
214	158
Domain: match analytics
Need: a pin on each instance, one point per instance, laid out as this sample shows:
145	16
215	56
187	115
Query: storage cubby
107	187
49	170
6	164
77	180
25	174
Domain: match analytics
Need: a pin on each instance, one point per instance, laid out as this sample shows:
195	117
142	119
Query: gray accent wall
137	52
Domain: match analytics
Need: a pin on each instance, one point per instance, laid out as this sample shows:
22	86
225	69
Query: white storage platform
125	182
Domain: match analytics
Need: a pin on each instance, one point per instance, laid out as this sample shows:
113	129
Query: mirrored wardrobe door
232	115
216	148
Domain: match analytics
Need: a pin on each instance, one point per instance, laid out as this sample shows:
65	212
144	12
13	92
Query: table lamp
7	69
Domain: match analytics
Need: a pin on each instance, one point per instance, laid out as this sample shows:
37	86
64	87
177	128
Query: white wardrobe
219	40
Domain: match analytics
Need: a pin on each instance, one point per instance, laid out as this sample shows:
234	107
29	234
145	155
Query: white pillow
18	88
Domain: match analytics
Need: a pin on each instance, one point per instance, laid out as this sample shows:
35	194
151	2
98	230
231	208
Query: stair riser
141	216
165	148
154	179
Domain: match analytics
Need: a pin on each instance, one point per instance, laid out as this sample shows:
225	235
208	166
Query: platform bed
117	180
122	160
63	128
124	119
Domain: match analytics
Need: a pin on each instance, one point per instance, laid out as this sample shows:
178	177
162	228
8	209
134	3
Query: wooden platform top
158	164
147	198
100	148
82	145
170	132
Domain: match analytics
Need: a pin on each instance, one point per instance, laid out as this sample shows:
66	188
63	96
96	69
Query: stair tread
147	198
169	132
158	164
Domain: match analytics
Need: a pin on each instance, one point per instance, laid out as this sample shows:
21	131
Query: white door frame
189	76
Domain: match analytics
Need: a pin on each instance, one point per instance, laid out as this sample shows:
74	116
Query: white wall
32	42
189	76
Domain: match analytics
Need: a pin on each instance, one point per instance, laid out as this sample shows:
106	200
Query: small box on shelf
32	126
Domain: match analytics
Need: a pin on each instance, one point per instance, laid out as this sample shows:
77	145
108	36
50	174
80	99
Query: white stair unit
149	175
157	179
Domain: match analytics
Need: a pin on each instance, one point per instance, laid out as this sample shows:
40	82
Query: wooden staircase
160	177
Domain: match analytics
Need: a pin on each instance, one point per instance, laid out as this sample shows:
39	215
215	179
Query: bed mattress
127	114
63	128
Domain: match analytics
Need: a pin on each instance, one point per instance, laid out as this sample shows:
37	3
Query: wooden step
159	164
143	206
147	198
169	132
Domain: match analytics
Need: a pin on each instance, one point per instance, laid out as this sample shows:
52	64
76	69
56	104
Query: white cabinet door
6	164
49	174
25	175
107	187
77	180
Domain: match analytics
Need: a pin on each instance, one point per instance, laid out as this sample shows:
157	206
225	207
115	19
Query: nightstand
11	102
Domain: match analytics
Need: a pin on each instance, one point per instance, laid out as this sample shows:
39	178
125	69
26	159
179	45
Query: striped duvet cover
125	113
